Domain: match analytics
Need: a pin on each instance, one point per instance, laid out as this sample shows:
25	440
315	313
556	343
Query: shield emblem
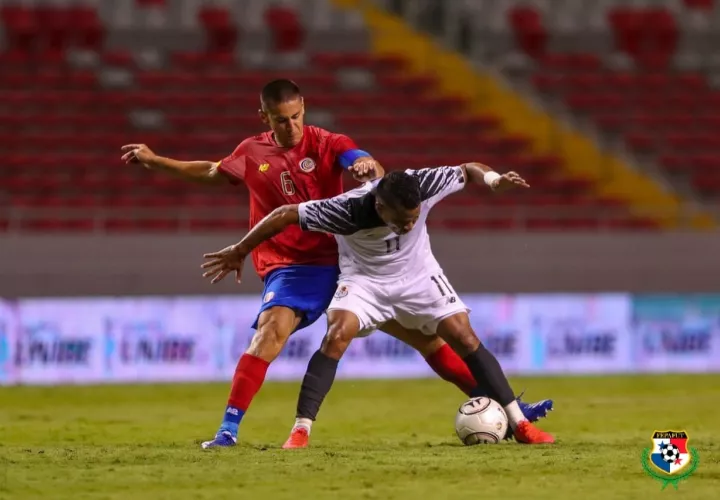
669	453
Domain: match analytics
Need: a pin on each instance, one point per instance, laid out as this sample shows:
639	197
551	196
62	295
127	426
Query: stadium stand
639	74
80	78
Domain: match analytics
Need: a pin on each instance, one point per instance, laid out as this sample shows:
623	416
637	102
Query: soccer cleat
527	433
535	411
299	438
222	439
532	411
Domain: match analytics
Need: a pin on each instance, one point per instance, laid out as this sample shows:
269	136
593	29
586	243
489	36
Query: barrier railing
185	219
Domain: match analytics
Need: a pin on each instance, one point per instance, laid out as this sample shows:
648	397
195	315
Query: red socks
249	376
452	368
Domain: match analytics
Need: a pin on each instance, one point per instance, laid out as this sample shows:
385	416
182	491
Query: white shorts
418	302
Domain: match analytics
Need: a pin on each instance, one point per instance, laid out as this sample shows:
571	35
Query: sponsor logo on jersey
264	167
268	297
341	292
307	165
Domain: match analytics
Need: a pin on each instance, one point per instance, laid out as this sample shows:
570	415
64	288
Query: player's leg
343	326
428	303
274	327
356	308
449	366
294	297
437	353
457	331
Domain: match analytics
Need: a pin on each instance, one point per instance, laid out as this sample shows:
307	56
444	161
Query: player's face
399	220
286	121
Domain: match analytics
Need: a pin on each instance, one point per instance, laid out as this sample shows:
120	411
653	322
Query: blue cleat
535	411
532	411
222	439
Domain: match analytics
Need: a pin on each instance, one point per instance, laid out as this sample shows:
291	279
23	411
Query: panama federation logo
307	165
670	460
341	292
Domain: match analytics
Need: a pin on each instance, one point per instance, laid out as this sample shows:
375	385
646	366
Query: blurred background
610	109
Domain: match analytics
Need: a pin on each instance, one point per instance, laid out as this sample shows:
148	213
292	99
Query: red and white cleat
299	438
527	433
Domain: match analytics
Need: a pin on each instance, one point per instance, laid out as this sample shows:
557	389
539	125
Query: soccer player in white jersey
388	273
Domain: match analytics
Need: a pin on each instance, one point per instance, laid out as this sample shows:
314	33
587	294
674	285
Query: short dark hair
278	91
399	190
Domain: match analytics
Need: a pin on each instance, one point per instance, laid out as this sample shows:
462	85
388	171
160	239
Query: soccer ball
481	420
670	453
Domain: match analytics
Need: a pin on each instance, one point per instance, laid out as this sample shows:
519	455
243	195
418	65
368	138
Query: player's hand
138	153
507	181
364	169
222	263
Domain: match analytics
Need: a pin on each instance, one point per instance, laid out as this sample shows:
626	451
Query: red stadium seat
118	58
530	34
88	32
648	35
57	26
287	30
699	4
49	104
560	62
220	29
58	225
21	26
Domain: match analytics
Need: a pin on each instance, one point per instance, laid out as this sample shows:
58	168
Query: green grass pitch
373	440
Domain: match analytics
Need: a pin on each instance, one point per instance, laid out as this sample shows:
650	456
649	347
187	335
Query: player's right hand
138	153
221	263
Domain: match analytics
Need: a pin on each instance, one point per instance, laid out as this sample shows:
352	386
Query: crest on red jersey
307	165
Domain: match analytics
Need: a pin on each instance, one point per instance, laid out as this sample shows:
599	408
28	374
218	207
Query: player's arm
332	215
203	171
439	182
273	224
478	173
355	160
362	166
219	264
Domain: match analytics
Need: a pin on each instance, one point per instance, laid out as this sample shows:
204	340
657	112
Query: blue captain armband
348	157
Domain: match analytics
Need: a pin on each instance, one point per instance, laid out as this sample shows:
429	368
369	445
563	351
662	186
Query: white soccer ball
481	420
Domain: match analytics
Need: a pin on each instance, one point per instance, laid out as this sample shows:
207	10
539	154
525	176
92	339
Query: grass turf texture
374	439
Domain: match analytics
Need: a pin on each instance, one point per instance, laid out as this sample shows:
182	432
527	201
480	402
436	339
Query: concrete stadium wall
36	266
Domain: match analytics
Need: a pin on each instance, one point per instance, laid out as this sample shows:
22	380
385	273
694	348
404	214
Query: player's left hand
507	181
222	263
364	169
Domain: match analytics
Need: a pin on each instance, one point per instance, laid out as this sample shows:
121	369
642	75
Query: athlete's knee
342	328
272	333
457	331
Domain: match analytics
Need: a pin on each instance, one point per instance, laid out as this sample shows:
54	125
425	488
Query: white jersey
366	245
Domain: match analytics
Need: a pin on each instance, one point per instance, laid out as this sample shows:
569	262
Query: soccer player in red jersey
292	163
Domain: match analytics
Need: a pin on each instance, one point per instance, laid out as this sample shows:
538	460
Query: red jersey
277	176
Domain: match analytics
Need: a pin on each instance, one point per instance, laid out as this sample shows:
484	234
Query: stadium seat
288	33
700	4
202	96
529	31
21	27
219	28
